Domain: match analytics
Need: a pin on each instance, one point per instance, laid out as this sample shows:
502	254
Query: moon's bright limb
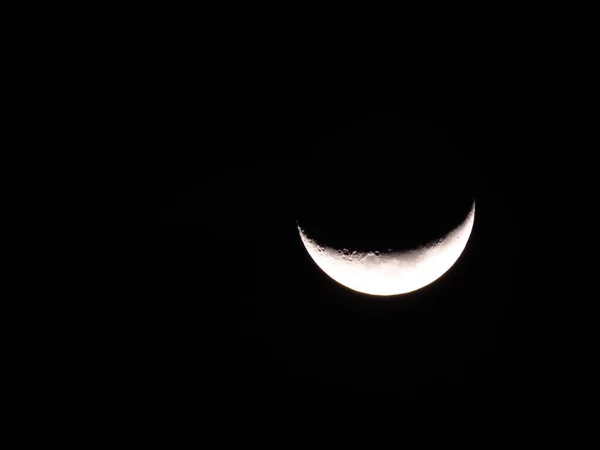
391	273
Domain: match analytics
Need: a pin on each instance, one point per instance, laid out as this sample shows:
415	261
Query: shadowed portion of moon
387	209
385	184
402	224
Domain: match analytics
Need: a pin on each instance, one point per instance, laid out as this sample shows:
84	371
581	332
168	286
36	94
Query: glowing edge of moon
391	273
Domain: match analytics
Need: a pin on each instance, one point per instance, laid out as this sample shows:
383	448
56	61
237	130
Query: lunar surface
391	272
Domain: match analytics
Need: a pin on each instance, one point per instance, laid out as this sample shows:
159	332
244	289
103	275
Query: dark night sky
199	286
188	144
196	285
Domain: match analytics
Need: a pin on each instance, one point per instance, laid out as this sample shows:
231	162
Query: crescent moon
391	273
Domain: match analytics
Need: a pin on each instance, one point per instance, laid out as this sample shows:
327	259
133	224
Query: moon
391	272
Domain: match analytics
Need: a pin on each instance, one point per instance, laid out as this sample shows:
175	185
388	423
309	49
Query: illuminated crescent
392	272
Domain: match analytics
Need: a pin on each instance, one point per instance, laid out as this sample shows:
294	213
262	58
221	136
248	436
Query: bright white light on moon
391	273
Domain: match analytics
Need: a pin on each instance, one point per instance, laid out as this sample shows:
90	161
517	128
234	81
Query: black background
195	289
197	285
